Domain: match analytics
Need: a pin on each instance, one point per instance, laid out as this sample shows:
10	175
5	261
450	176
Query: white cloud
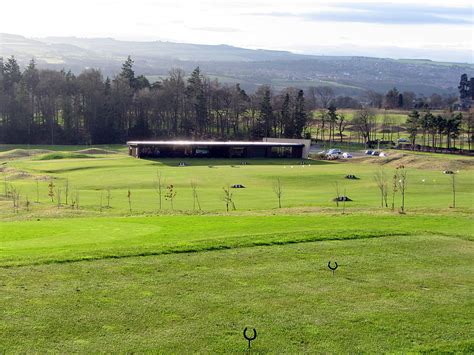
231	22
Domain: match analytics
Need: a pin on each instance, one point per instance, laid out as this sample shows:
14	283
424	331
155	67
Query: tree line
40	106
436	131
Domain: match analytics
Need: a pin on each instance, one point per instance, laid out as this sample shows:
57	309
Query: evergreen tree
286	119
400	100
300	115
412	125
127	72
198	99
265	117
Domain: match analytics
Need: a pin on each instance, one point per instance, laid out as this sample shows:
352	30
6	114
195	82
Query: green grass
72	239
63	155
107	279
392	294
116	147
309	185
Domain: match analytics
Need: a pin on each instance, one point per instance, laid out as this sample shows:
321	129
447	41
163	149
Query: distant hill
348	75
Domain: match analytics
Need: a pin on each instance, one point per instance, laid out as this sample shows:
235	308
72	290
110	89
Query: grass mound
63	155
421	161
22	153
95	151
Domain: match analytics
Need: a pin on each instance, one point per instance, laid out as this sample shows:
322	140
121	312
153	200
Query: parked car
334	151
382	154
346	155
368	152
403	140
375	153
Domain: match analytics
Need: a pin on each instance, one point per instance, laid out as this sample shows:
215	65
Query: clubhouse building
268	148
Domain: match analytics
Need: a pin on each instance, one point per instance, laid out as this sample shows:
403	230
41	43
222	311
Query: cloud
216	29
385	13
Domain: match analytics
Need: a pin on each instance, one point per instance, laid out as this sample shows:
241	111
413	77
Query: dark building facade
210	149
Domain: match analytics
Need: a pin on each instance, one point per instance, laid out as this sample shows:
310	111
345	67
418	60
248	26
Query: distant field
111	279
313	184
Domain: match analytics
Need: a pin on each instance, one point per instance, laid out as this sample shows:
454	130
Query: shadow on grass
237	163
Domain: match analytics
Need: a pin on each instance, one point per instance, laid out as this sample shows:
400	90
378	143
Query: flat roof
217	143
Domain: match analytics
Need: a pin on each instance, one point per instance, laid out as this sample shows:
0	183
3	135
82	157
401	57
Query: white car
334	152
383	154
346	155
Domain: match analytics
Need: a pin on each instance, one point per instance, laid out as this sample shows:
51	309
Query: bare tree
51	189
380	178
278	190
402	184
14	193
170	195
5	182
75	200
195	196
365	123
341	125
228	198
27	204
159	184
108	196
66	190
344	202
325	95
336	186
394	189
453	185
454	189
129	196
37	191
58	197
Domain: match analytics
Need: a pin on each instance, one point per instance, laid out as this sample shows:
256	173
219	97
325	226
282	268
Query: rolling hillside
348	75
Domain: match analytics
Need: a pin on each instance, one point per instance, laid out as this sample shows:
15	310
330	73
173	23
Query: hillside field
121	274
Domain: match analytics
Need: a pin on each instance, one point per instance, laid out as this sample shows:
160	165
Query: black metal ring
329	265
254	334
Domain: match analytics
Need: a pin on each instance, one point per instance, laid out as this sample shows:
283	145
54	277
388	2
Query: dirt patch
95	151
420	161
12	174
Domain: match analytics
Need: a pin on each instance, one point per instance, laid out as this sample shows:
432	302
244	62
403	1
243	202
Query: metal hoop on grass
250	338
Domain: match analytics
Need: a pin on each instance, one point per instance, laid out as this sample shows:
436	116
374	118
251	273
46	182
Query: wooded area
57	107
43	106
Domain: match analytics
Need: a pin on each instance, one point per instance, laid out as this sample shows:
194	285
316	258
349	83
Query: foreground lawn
140	278
390	294
69	239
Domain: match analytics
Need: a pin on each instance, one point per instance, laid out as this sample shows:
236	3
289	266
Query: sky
432	29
